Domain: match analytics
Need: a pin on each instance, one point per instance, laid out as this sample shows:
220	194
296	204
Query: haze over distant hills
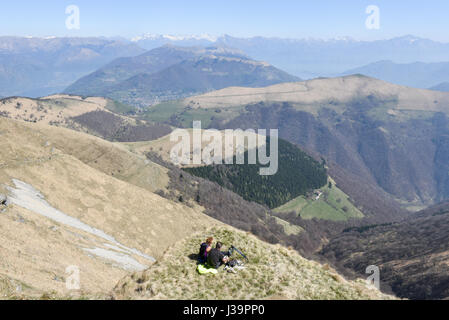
309	58
444	86
42	66
416	74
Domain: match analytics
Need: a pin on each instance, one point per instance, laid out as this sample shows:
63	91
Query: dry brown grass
163	146
97	182
323	91
54	109
274	272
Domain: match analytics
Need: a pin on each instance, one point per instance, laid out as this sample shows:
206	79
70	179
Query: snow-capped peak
150	36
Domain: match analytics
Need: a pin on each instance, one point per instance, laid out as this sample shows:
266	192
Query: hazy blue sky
283	18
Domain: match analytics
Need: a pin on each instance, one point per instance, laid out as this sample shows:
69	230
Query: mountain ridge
38	67
310	58
169	73
415	74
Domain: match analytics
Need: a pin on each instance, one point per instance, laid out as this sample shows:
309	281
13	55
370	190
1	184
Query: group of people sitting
214	257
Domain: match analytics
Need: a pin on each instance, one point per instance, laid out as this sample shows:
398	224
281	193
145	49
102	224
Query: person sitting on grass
205	248
216	258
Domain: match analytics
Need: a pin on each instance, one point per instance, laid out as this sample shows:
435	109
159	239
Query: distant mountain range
169	73
444	86
417	74
42	66
37	67
309	58
153	41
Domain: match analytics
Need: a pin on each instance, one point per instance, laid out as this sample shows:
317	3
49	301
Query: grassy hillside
298	173
273	272
54	110
74	199
329	203
77	200
102	117
110	158
398	103
164	145
327	92
180	114
120	108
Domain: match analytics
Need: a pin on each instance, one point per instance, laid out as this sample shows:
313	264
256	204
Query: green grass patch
177	112
333	205
118	107
164	111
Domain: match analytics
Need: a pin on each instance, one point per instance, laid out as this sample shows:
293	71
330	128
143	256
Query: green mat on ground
205	269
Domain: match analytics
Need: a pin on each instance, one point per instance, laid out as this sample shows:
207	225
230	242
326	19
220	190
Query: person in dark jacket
205	248
216	258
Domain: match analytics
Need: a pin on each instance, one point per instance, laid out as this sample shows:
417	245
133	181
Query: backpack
202	255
